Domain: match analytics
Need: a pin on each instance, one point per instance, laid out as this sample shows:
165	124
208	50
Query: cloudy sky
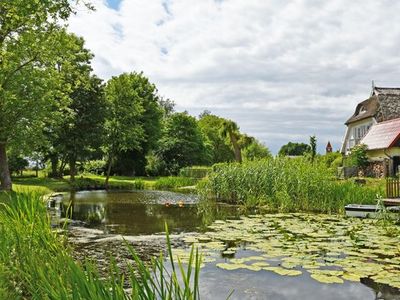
283	70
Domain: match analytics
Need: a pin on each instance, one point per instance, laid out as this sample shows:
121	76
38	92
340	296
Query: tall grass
283	184
173	182
35	263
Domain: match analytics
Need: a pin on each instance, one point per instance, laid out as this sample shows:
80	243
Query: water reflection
134	213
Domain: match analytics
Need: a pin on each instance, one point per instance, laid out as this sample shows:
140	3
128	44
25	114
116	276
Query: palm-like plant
231	130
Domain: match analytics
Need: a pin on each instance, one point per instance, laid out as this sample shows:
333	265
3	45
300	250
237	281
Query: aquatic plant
283	184
36	262
330	249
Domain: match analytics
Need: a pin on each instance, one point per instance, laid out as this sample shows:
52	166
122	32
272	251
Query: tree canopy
294	149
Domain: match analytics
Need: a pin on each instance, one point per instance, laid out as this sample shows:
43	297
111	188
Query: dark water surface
145	212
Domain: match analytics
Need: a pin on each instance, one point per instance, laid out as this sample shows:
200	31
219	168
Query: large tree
133	161
29	46
219	146
76	128
123	126
182	143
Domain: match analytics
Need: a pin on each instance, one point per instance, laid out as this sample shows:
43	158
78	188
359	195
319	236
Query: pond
270	256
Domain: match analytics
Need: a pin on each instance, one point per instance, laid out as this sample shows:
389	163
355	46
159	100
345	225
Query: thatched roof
384	104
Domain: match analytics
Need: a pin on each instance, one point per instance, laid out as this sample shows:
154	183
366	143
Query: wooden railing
393	188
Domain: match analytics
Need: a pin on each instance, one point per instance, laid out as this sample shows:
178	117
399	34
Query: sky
283	70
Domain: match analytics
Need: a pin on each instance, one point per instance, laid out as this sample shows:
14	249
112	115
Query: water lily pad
326	278
282	271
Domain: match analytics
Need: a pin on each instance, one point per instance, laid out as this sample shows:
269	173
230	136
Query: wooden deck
391	202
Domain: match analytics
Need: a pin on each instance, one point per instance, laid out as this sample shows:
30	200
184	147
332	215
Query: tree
124	130
82	133
133	161
313	147
256	150
294	149
231	130
29	45
75	130
218	145
181	144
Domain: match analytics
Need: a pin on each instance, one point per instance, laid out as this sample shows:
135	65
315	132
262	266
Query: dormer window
362	110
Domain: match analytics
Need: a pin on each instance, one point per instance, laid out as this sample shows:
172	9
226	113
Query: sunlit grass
36	263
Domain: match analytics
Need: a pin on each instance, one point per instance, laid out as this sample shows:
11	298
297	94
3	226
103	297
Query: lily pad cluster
330	249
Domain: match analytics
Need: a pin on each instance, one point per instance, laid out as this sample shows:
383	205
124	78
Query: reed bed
283	184
35	263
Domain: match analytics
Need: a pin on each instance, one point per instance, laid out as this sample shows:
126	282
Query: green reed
36	263
283	184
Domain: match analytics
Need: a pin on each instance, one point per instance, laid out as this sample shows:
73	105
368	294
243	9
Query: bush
284	184
95	167
197	172
155	166
173	182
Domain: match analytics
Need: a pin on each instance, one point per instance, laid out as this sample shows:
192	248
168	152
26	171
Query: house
376	123
383	144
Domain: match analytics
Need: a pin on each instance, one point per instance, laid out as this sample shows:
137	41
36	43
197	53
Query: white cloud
282	69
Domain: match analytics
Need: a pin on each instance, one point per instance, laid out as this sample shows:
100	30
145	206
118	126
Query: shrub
173	182
95	167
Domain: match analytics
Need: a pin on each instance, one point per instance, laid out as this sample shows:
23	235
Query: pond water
274	256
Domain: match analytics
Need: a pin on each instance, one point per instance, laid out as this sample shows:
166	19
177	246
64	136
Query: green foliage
133	161
17	163
358	156
255	150
197	172
173	182
181	144
94	166
313	147
154	166
284	184
230	130
218	146
294	149
27	241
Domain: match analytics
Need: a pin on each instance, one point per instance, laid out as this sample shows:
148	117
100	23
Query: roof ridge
388	121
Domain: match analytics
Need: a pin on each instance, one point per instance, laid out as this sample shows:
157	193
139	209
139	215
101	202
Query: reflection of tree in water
382	291
140	218
91	213
209	211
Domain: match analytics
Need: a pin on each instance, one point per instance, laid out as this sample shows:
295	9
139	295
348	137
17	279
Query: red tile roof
382	135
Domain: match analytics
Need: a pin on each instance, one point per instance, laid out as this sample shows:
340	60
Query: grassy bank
90	181
35	263
284	184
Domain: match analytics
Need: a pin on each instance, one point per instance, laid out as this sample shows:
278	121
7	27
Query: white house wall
348	137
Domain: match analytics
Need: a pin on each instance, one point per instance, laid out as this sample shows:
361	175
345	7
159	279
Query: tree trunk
54	163
236	147
37	168
5	176
72	169
110	161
